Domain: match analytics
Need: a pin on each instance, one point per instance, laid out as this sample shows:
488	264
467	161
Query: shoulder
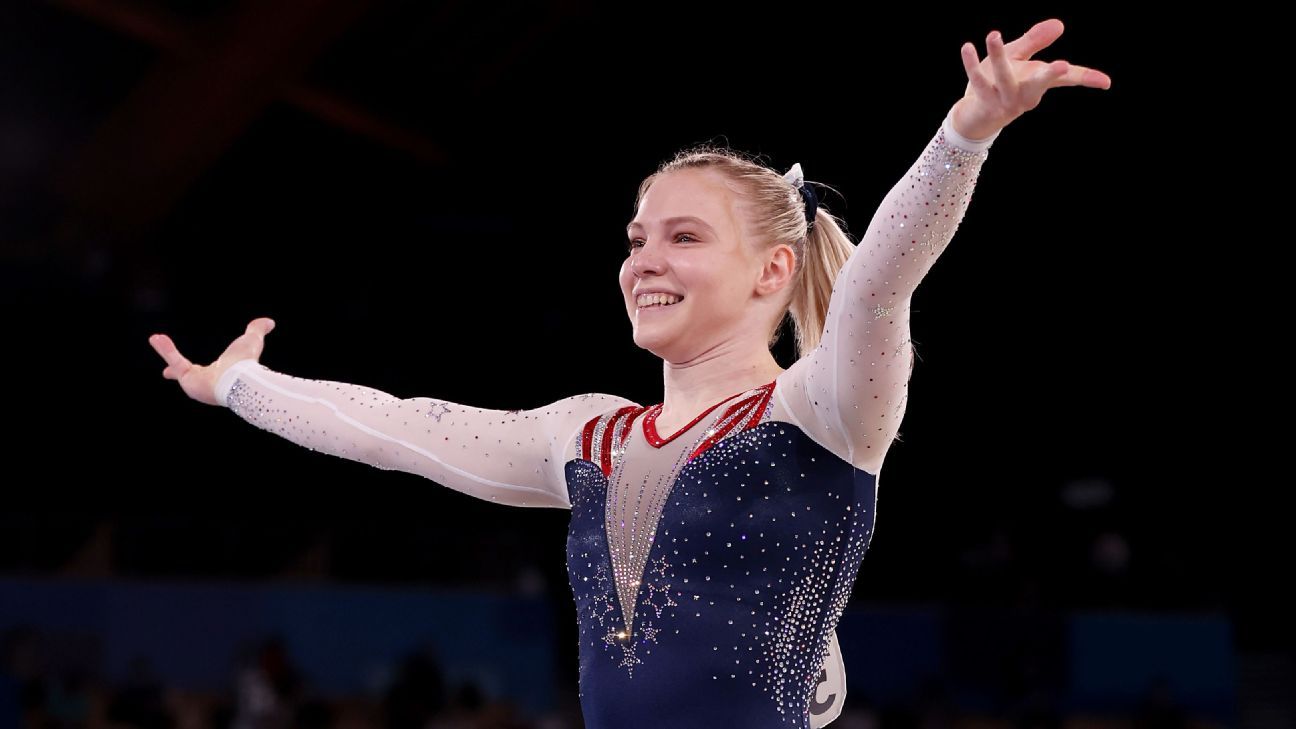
807	407
576	414
590	406
567	421
606	429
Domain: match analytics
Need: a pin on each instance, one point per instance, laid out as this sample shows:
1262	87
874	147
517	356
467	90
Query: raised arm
849	393
512	457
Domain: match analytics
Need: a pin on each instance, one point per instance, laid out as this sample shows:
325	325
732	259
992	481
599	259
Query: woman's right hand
199	381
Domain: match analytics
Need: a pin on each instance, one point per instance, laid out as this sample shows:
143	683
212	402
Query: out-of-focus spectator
417	694
268	689
140	702
67	701
465	711
1159	709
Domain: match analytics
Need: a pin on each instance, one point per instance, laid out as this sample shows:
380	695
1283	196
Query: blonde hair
776	209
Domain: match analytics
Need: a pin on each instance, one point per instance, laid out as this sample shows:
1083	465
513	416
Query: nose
646	261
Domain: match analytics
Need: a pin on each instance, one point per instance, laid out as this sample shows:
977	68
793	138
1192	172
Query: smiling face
689	238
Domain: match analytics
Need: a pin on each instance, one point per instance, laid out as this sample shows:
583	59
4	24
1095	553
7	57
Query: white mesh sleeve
849	393
513	457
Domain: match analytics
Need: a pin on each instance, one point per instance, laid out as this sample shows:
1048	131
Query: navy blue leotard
709	566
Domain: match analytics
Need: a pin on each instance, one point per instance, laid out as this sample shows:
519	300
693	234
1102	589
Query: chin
651	342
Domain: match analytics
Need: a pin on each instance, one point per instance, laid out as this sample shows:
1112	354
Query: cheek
715	286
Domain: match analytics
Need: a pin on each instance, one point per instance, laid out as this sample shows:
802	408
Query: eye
634	242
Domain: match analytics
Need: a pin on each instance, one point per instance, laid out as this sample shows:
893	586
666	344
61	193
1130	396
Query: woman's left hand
1008	84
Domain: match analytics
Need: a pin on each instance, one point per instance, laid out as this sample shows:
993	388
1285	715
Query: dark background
430	199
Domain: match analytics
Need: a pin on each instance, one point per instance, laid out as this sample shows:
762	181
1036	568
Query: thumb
262	325
252	342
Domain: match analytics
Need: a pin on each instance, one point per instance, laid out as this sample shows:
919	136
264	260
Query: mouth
659	301
657	307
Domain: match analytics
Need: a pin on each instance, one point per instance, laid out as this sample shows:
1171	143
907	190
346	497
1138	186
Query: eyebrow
672	221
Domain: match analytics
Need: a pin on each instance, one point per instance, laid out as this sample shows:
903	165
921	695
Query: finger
1040	36
972	65
161	344
176	372
1090	77
1042	80
261	325
1074	75
165	347
1005	79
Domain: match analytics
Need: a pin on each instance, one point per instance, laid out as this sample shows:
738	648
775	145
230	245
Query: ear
776	273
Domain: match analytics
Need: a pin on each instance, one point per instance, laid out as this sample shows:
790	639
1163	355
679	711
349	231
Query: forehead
687	193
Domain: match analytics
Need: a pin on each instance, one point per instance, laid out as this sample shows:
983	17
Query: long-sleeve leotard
848	394
511	457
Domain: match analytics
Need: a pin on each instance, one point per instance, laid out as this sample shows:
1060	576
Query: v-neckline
650	419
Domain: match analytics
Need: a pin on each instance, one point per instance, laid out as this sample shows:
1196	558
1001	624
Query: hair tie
797	179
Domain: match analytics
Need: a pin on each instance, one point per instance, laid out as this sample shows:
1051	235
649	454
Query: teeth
657	300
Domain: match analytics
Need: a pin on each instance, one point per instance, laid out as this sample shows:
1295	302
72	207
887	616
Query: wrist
975	132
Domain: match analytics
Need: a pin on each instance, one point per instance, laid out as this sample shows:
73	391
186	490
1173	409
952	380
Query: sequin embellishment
632	516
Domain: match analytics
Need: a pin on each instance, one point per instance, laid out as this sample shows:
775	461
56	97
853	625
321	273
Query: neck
692	387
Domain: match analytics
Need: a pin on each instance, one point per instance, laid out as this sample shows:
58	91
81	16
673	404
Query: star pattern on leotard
880	311
437	409
900	406
658	596
601	606
655	600
628	658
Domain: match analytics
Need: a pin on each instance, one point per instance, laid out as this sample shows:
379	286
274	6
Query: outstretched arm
512	457
849	392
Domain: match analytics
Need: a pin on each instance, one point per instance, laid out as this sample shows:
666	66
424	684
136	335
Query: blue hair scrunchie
811	203
797	179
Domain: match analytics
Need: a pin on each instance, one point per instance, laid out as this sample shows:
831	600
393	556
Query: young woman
714	536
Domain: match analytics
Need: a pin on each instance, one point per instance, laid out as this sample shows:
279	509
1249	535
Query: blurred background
429	199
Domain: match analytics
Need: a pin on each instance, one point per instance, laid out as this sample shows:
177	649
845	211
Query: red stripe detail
755	403
605	458
587	436
760	407
650	423
629	427
605	450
